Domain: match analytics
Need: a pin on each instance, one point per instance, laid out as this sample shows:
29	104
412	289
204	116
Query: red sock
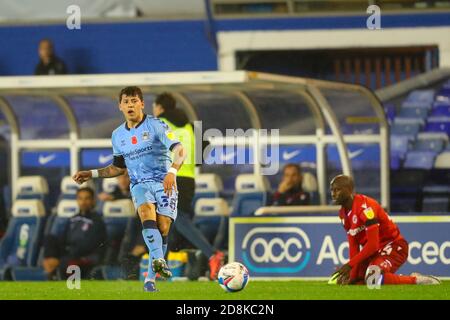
391	278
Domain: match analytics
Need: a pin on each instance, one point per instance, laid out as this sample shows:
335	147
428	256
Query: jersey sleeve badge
170	135
369	213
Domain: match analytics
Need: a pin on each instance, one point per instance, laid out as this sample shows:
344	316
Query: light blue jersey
145	151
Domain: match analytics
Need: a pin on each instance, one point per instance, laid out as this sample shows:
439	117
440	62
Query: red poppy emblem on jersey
133	140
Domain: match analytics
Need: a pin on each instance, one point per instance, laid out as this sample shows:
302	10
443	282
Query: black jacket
56	66
85	235
293	197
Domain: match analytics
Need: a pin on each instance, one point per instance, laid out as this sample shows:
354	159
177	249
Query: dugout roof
76	112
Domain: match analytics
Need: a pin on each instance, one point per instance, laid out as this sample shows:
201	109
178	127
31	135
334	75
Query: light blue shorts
153	192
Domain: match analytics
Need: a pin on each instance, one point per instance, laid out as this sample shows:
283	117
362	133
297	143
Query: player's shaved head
343	181
342	187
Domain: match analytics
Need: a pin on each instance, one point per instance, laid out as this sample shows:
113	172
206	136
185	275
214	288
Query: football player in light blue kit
142	146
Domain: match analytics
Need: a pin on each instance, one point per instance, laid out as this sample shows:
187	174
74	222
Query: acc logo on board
276	249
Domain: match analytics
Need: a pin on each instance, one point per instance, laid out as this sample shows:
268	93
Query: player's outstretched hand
169	184
343	275
82	176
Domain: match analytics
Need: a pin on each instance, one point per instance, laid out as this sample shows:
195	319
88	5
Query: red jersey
367	213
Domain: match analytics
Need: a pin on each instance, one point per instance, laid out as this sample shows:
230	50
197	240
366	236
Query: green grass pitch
257	290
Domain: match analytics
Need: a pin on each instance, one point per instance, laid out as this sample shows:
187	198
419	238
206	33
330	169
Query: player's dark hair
132	91
166	100
86	189
293	165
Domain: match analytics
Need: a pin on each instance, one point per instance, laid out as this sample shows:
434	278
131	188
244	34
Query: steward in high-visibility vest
184	132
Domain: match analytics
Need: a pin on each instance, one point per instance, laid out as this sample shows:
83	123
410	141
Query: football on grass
233	277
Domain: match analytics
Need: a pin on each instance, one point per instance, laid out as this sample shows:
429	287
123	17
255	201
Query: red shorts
390	258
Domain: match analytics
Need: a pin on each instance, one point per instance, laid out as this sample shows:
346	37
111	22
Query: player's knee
146	213
164	228
164	225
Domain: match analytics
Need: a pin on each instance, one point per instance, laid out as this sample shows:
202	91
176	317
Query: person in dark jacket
49	63
82	242
290	192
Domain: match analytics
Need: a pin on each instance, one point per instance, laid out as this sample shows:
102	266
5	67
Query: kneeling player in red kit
369	226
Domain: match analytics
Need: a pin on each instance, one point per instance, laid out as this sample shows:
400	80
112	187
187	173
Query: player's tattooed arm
110	171
107	172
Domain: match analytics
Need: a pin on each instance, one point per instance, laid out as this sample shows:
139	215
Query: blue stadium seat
65	210
309	184
207	185
33	187
426	95
413	112
431	142
19	246
69	188
56	225
442	97
251	194
209	214
407	121
410	129
438	124
440	111
420	160
116	214
429	145
443	94
109	185
419	98
400	144
417	104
